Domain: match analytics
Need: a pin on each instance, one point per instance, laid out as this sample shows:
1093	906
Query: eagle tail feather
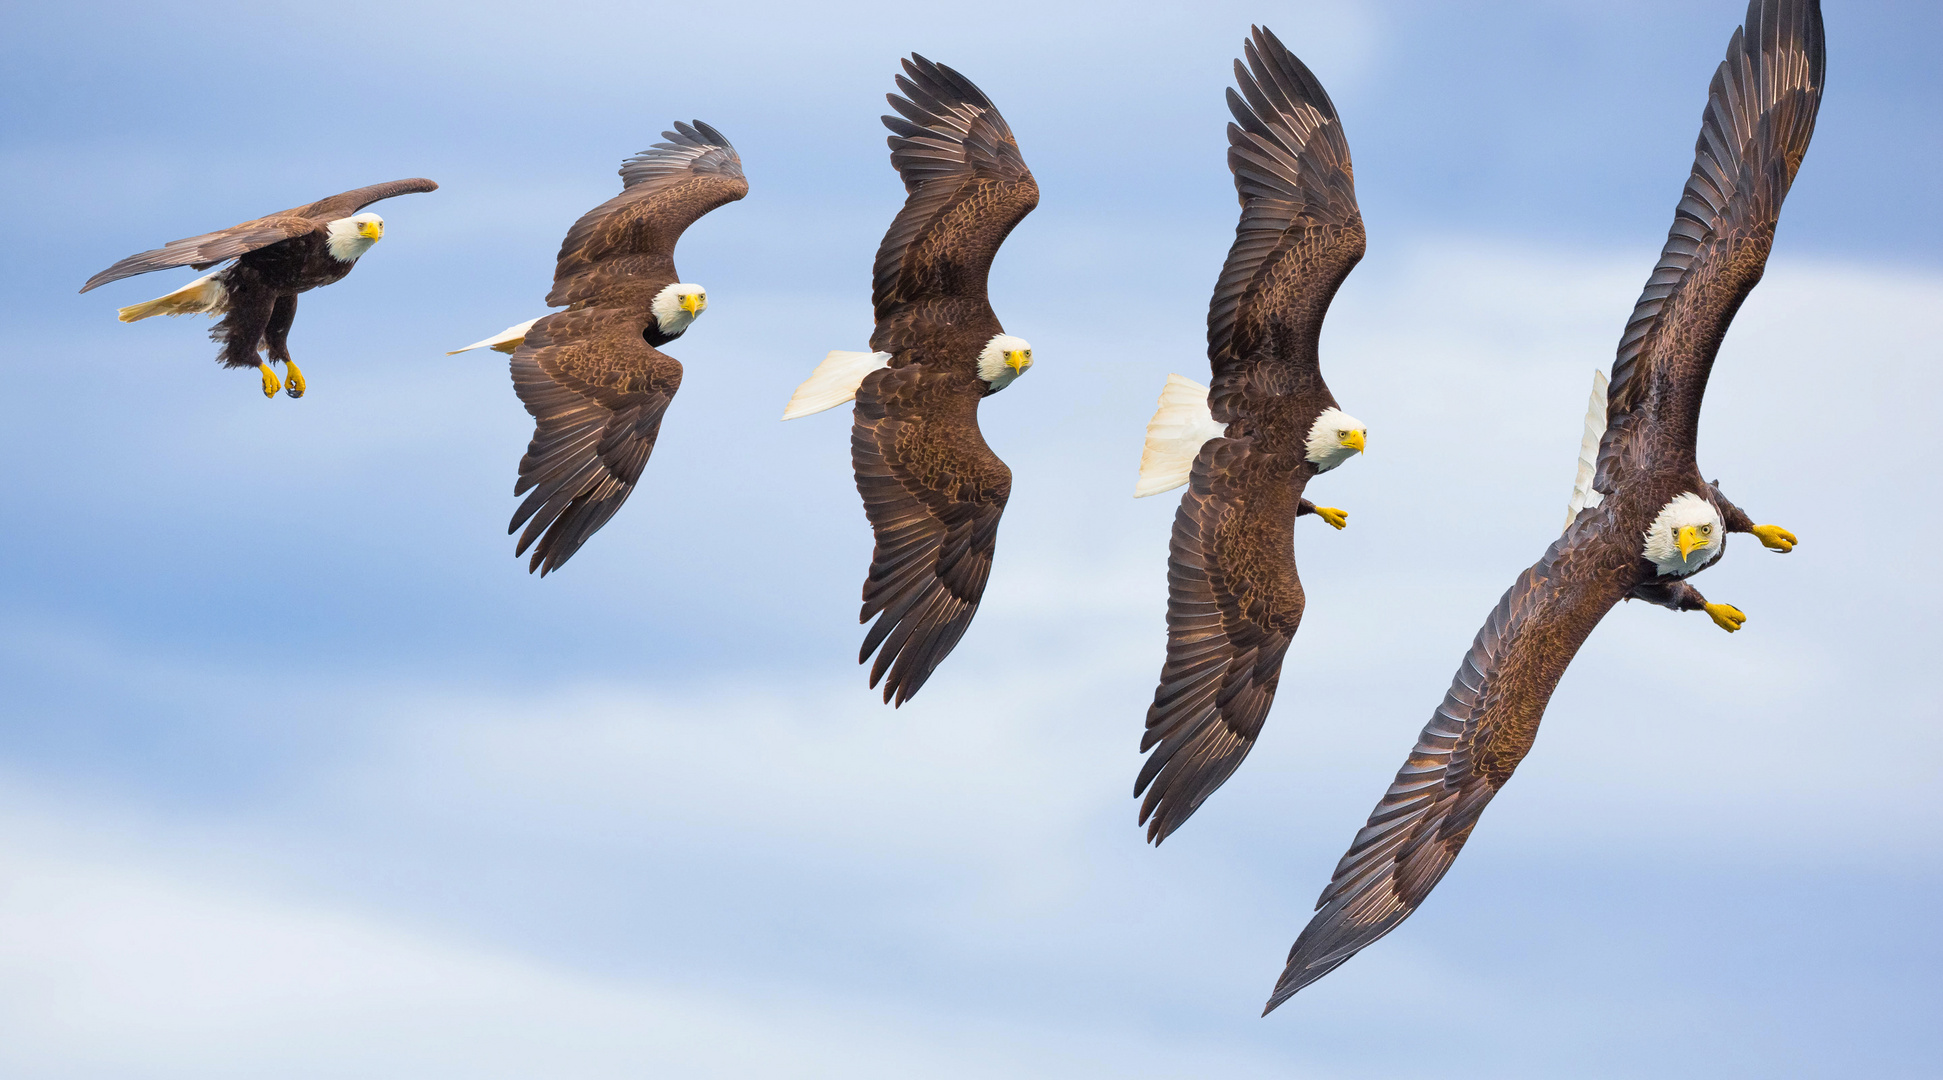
1583	494
1182	424
507	341
834	382
203	296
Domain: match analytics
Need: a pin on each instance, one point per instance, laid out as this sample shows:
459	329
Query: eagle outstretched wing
597	392
1234	598
1300	232
1233	604
1760	115
205	251
1478	735
933	492
665	190
967	187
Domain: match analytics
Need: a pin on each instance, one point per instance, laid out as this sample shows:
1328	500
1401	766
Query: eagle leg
1336	518
276	341
1726	616
270	383
1774	537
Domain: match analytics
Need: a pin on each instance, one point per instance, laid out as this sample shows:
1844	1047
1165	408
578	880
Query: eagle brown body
277	257
1755	131
1234	598
932	489
593	376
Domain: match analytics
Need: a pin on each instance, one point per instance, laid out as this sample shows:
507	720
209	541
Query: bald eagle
594	376
1643	521
932	490
1247	447
277	257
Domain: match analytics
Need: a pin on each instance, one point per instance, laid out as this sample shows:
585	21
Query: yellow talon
1726	616
293	380
1333	516
270	383
1774	537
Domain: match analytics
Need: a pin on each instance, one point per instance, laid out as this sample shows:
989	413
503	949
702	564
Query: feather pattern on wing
597	392
1760	115
632	236
933	492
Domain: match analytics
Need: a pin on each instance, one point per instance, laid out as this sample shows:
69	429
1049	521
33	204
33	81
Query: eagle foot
1726	616
270	382
293	380
1774	537
1336	518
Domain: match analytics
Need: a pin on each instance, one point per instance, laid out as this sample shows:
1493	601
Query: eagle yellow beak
1016	360
371	230
1687	539
692	303
1354	440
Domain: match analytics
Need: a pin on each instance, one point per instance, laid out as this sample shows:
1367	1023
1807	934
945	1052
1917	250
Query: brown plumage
1756	127
1234	600
592	375
932	489
277	257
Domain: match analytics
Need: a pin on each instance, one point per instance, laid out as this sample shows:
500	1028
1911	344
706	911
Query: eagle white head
1003	359
1334	438
351	237
1687	535
677	305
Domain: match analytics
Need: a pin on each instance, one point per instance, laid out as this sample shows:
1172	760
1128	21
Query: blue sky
302	775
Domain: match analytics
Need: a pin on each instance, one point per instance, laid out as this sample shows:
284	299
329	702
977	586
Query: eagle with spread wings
1247	447
277	257
1643	518
594	376
932	489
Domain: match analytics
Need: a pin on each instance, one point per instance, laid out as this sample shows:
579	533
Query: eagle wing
205	251
1233	604
1234	598
664	190
597	392
356	199
208	249
1300	232
1760	115
933	492
968	186
1478	735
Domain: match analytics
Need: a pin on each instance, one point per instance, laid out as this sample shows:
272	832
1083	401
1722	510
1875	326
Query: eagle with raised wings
1248	446
932	489
594	376
1643	519
277	257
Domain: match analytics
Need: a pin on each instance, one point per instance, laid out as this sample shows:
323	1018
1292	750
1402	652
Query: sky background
302	775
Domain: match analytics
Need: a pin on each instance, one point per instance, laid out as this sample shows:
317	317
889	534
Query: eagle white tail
1595	429
203	296
506	341
1181	425
834	382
